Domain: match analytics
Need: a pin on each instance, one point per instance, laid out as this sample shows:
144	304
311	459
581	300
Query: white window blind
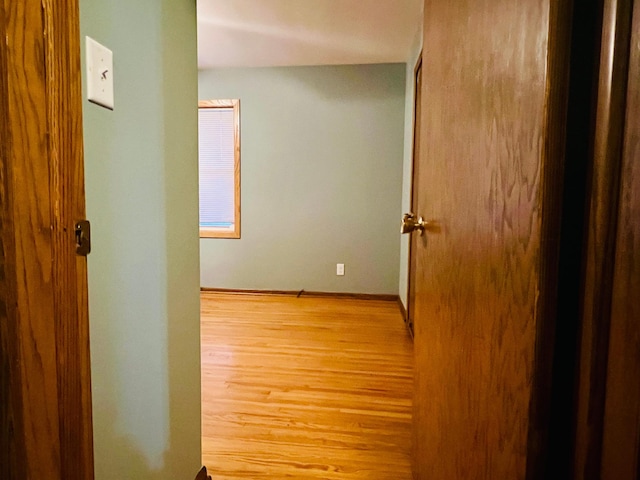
217	186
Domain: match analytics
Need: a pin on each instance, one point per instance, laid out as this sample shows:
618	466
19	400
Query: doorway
321	164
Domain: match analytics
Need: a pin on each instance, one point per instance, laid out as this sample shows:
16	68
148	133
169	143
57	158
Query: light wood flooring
306	388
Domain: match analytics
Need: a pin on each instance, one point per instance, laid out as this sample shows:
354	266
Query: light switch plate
99	73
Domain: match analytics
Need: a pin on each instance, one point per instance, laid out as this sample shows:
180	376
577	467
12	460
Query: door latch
83	238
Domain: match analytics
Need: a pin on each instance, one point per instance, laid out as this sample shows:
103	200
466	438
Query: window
219	161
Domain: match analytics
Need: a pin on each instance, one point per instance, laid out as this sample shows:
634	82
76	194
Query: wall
321	178
407	163
141	184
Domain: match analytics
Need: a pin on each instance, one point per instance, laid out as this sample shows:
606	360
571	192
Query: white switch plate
340	269
99	73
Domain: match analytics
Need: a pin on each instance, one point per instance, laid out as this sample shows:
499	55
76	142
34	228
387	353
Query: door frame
417	95
606	382
45	417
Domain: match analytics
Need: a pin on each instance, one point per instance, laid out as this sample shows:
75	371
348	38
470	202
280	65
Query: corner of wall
141	184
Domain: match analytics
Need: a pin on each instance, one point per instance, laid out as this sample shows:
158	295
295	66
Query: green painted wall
322	152
141	184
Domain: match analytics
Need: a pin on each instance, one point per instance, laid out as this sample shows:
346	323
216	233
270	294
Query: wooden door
489	172
415	165
621	419
608	407
45	400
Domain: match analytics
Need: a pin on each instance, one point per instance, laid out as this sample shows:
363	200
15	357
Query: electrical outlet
340	269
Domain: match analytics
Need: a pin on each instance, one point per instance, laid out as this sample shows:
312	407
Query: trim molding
403	310
405	317
299	293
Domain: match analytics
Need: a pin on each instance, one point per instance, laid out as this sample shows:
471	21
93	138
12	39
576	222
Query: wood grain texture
601	242
37	370
12	452
482	151
305	388
44	331
621	425
66	182
549	444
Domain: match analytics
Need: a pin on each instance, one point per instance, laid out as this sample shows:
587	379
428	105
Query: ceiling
265	33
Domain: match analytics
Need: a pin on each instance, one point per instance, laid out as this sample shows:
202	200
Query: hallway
305	388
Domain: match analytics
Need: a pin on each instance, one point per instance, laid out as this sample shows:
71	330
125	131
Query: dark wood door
608	407
45	399
488	165
621	421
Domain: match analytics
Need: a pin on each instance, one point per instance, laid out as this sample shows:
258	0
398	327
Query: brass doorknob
411	223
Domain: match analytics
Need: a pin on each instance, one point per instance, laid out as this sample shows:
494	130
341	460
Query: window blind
216	161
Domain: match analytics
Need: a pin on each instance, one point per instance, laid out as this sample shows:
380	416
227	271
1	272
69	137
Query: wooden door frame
411	258
620	453
45	413
594	390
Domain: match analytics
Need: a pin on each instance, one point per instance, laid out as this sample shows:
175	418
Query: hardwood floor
305	388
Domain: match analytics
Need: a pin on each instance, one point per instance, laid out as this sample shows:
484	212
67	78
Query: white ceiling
259	33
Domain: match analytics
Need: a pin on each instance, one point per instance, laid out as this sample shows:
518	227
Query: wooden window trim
234	232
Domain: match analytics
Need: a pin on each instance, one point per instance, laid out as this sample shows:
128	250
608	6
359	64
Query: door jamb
44	340
410	273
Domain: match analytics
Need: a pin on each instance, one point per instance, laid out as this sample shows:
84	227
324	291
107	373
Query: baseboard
405	317
403	311
304	293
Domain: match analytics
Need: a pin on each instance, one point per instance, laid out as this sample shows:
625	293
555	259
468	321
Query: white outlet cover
99	73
